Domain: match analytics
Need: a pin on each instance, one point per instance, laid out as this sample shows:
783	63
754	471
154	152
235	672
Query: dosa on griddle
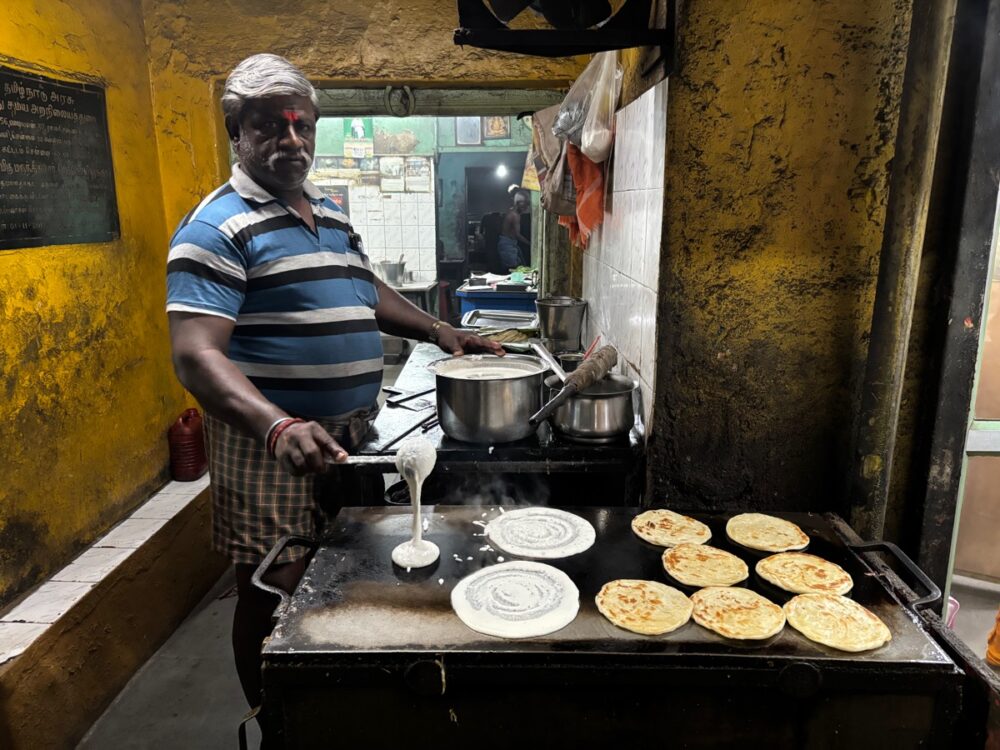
645	607
802	573
767	533
700	565
667	529
737	613
836	621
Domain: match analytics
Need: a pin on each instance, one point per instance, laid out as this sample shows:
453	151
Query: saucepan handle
933	594
258	575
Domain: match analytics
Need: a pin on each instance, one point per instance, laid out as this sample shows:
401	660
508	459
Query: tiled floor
187	695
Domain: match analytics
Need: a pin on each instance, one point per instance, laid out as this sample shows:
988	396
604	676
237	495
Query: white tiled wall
622	263
395	224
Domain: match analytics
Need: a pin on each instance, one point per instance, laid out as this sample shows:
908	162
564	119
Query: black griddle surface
353	600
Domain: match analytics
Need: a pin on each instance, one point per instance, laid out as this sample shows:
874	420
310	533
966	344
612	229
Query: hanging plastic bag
570	121
558	192
599	125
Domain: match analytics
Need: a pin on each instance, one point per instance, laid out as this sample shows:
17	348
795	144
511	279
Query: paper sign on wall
418	174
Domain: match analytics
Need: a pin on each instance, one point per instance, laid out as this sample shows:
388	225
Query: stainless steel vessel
482	398
601	413
394	272
560	320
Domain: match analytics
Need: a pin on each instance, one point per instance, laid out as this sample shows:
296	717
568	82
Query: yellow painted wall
87	389
781	124
195	43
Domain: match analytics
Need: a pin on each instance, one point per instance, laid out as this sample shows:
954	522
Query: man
511	239
274	323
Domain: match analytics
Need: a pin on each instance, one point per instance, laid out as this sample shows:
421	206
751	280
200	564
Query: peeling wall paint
87	390
194	44
780	130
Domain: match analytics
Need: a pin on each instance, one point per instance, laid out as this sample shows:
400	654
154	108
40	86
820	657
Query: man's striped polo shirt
303	302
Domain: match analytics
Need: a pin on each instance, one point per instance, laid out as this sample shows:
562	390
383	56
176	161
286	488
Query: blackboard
57	184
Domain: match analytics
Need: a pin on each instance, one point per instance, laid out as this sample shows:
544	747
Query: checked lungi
255	502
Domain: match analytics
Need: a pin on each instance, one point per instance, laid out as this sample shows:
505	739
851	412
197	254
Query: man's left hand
455	341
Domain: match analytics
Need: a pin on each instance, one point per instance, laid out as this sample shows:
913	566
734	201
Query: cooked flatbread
645	607
516	600
737	613
837	622
668	529
802	573
767	533
541	533
701	565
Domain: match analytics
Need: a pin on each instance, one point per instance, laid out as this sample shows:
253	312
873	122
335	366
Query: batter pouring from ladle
415	460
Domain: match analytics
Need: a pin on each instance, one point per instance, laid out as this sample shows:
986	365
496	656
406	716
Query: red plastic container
187	447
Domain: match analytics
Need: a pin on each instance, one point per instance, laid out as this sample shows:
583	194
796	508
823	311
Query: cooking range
366	654
572	472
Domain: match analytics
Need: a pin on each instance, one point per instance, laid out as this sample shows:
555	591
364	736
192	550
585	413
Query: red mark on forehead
291	115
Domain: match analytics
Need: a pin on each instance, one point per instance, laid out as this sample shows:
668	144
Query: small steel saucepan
601	413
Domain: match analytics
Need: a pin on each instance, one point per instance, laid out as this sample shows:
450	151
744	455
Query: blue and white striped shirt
303	302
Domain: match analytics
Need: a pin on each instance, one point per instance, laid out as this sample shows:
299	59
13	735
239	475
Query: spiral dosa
645	607
766	533
802	573
837	622
737	613
701	565
668	529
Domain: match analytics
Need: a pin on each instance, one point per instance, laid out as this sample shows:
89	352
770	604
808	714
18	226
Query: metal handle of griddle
933	594
257	579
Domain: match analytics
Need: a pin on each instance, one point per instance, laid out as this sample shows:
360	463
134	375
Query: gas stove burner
612	440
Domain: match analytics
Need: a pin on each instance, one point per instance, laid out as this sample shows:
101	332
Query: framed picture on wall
391	170
468	131
496	127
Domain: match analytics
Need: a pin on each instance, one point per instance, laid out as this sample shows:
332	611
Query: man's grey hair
259	76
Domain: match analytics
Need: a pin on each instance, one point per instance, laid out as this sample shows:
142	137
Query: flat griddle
366	654
352	598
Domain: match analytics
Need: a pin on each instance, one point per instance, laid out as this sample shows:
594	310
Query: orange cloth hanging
588	178
993	644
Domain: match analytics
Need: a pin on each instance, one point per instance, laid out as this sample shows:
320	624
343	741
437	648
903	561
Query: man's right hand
306	448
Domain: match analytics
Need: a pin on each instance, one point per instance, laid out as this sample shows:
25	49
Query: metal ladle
551	361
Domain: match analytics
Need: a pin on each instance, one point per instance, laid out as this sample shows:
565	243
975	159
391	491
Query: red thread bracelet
273	442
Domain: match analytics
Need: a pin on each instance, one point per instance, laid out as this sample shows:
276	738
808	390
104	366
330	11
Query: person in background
525	246
274	324
511	240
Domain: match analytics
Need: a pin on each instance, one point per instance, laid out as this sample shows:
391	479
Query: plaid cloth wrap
255	502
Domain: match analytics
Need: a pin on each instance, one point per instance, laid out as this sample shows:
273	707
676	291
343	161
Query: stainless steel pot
394	273
560	320
601	413
482	398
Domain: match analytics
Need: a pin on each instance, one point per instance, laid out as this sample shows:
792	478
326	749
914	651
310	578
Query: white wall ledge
31	617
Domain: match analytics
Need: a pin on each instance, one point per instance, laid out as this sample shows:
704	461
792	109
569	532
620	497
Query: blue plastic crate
482	300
